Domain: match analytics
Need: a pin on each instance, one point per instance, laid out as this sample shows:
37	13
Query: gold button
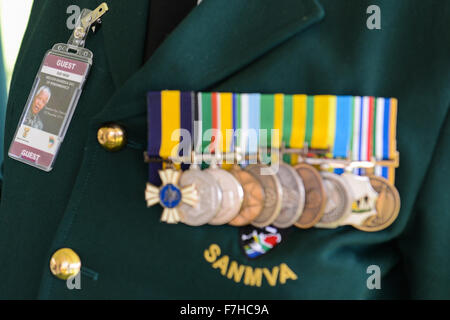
111	137
65	263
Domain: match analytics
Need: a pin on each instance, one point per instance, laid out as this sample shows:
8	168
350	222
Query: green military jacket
93	200
2	99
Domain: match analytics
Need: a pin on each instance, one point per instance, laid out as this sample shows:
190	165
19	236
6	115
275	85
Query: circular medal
293	196
253	197
273	194
315	196
210	197
387	206
232	196
339	200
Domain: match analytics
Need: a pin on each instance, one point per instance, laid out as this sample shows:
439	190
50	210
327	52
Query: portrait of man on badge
40	100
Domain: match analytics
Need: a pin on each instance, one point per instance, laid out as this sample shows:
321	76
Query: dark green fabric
93	201
3	99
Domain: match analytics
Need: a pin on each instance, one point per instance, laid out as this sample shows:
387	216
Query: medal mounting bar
304	154
229	157
311	156
88	19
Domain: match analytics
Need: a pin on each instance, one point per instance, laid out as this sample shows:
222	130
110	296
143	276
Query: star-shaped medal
170	195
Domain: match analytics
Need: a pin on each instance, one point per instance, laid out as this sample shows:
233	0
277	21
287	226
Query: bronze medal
253	197
387	206
315	196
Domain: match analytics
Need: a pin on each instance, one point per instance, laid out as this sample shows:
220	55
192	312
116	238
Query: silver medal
210	197
293	196
339	201
232	195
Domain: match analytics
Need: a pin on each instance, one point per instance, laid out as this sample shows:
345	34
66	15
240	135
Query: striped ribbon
374	131
276	110
169	112
218	121
359	128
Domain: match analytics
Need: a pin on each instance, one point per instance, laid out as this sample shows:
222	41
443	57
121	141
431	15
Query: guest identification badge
54	96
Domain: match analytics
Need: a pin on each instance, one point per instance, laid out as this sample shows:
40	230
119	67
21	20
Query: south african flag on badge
51	142
257	242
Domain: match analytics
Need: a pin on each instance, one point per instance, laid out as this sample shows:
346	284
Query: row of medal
279	195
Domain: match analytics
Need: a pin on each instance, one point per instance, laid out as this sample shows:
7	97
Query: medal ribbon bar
339	131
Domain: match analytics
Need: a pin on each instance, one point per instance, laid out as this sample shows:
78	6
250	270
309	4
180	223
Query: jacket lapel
124	33
215	40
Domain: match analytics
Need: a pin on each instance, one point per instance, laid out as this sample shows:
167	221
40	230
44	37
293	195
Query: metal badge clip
89	19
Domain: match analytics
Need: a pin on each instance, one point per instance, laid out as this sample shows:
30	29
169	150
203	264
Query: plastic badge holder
50	106
54	96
